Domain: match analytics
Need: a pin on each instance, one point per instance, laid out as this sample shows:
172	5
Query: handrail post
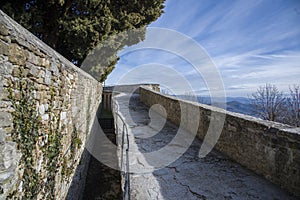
126	195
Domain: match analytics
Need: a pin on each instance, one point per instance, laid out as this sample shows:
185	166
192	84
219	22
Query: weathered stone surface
6	68
17	55
3	30
2	135
3	48
48	77
45	117
54	68
262	146
42	109
9	155
16	72
189	177
51	91
33	59
63	115
34	71
5	119
45	62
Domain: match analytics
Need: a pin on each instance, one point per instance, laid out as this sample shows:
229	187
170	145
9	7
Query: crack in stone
217	176
174	168
139	162
189	189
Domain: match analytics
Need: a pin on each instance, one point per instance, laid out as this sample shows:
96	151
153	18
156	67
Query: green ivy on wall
27	129
67	165
53	147
25	132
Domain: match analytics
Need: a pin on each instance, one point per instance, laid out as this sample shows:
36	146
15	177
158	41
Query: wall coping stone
14	27
269	124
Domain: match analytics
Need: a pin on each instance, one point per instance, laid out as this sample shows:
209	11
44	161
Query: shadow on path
190	177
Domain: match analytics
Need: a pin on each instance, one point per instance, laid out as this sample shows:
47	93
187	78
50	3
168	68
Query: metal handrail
115	109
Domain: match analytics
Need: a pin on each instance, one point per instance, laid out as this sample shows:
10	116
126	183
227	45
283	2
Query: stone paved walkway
102	181
189	177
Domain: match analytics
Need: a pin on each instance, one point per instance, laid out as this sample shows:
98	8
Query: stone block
17	55
5	119
16	72
71	77
5	38
6	68
3	48
9	155
5	175
3	30
45	63
54	68
33	70
2	136
42	74
48	77
45	117
63	115
32	58
42	109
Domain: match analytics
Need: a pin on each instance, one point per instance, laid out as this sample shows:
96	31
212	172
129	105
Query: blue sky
250	42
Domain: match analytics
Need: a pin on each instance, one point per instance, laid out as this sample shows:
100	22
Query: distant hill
244	108
234	104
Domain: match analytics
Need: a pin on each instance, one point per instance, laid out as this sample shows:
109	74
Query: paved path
102	181
189	177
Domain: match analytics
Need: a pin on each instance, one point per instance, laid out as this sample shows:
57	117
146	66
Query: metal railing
124	173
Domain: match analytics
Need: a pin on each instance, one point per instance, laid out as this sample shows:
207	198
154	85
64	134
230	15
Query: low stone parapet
268	148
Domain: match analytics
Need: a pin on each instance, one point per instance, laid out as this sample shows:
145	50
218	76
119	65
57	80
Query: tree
75	27
293	115
270	103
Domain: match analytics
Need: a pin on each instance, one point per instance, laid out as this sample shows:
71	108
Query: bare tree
293	111
269	103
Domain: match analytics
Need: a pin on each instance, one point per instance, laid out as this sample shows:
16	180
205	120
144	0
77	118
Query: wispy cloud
250	42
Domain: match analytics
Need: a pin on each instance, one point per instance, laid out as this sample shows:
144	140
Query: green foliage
65	171
88	115
75	27
76	143
27	128
25	132
107	71
53	147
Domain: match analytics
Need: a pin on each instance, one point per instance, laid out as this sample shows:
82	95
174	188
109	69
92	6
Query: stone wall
133	88
268	148
47	107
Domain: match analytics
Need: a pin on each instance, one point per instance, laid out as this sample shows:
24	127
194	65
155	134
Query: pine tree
75	27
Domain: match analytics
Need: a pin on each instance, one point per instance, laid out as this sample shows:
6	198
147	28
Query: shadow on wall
215	176
93	179
269	149
76	189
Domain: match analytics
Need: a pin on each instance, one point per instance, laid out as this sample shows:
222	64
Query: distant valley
234	104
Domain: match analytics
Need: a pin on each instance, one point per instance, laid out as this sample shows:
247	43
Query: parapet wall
133	88
47	107
268	148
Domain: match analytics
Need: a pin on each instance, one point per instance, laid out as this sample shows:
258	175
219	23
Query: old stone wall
47	107
133	88
268	148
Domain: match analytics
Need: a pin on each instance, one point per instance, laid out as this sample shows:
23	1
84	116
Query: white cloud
251	43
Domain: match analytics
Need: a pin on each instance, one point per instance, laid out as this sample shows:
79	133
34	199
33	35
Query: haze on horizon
250	42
